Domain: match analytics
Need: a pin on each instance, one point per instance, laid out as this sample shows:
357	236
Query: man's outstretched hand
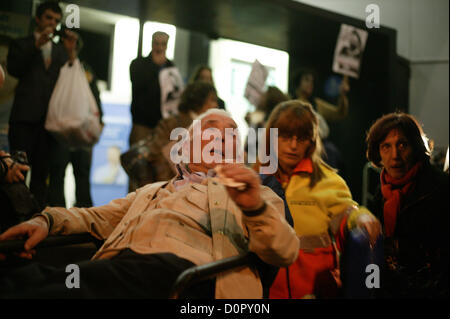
36	229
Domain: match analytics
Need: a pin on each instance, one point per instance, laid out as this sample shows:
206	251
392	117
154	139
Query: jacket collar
426	185
305	166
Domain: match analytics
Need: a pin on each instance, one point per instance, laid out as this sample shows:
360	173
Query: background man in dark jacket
146	90
412	205
36	61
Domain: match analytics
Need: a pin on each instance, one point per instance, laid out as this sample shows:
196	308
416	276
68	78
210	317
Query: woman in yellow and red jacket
319	201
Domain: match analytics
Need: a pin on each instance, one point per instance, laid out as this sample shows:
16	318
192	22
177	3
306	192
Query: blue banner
108	179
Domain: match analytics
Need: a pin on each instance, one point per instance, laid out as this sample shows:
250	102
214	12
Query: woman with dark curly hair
412	204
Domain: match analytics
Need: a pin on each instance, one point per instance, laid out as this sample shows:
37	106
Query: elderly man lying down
155	233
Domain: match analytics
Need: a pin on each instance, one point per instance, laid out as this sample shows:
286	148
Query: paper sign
256	81
349	50
172	87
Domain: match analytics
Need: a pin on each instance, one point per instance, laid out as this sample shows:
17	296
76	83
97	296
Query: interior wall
430	67
423	39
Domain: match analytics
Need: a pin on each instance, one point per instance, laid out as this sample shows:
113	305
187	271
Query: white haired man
155	233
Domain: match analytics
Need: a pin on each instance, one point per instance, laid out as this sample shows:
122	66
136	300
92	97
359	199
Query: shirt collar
305	165
186	176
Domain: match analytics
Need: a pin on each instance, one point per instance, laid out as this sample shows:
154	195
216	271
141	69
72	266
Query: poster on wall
108	178
172	87
349	50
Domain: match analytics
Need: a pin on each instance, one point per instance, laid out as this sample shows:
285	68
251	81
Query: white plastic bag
73	115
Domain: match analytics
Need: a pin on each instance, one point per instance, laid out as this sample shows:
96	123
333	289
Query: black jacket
417	255
36	84
146	91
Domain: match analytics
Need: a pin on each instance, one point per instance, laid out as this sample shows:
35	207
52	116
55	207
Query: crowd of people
295	220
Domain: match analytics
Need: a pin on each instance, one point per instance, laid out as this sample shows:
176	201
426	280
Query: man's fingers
14	232
20	176
32	241
23	168
246	177
25	255
237	172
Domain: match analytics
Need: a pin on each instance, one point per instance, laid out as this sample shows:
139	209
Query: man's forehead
216	119
50	12
160	38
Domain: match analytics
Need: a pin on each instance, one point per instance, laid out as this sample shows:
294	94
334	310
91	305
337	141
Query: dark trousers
81	162
128	275
34	140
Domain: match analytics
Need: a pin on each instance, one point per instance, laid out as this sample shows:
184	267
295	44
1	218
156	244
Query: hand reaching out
36	229
345	86
15	170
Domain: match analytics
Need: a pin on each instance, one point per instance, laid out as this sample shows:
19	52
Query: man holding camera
36	61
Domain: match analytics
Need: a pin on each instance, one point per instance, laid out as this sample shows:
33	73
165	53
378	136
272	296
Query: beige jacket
198	222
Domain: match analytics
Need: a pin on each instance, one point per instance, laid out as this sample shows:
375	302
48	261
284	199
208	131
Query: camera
61	32
20	157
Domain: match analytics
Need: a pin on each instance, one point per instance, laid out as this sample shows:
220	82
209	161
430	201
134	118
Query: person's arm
331	112
20	56
10	170
271	237
138	74
98	221
161	137
345	213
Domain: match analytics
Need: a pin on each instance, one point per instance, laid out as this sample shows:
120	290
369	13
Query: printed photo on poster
349	50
